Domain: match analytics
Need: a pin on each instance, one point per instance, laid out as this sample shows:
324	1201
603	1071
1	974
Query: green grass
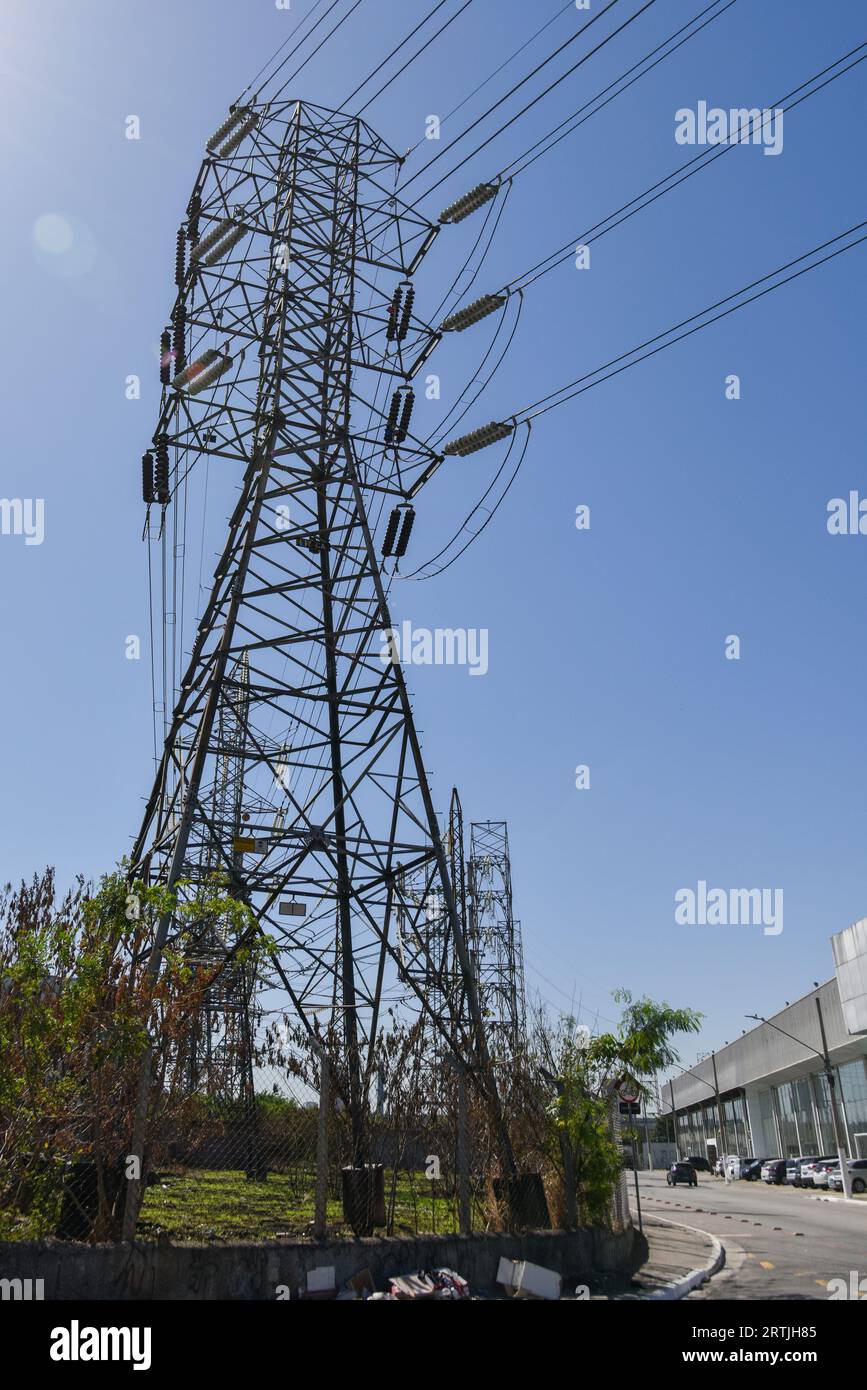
199	1204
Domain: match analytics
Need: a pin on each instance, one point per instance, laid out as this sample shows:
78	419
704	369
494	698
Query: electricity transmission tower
443	981
291	769
495	937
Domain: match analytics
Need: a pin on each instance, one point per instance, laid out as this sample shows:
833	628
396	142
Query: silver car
857	1175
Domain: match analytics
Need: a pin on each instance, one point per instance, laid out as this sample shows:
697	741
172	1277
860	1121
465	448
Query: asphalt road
781	1242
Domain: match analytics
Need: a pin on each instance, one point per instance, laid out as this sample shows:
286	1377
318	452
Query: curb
681	1287
847	1201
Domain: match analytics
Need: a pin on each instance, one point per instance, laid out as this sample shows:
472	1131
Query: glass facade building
775	1097
790	1120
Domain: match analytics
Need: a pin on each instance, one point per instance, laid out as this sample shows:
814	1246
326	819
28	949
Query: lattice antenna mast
294	304
495	937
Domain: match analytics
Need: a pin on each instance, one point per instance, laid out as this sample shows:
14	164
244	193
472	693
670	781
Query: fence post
465	1216
321	1198
570	1198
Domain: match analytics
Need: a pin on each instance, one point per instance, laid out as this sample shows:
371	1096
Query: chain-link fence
277	1163
283	1160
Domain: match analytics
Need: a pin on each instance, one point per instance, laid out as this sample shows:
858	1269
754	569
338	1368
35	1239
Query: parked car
735	1165
791	1170
701	1165
857	1174
753	1170
800	1164
774	1171
823	1170
796	1165
681	1172
809	1167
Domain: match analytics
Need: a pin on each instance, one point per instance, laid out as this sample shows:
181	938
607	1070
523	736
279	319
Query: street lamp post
825	1056
720	1117
719	1113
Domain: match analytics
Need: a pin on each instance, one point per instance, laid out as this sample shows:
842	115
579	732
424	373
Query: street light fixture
824	1056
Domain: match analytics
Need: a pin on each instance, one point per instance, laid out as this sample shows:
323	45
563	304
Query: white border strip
681	1287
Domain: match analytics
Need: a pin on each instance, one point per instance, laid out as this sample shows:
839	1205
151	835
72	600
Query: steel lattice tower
221	1045
443	979
495	937
306	791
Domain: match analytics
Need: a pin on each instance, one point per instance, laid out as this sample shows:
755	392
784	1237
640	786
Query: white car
822	1171
857	1175
735	1165
809	1169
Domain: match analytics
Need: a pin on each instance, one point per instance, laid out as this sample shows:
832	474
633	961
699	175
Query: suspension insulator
165	357
202	373
470	202
405	533
181	258
223	247
405	417
391	422
161	471
232	121
406	315
479	439
394	315
193	215
147	477
390	533
210	239
246	128
180	324
473	313
196	368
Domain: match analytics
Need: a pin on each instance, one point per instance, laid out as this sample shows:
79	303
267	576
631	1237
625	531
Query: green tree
582	1073
77	1010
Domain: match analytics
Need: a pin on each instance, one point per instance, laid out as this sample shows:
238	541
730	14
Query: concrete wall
181	1272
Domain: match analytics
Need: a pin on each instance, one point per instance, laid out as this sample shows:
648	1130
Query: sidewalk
679	1260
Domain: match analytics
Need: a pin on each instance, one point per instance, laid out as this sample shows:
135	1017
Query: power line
417	574
680	175
511	58
479	239
517	117
425	46
320	45
638	354
392	54
524	80
549	142
576	388
301	41
572	123
559	990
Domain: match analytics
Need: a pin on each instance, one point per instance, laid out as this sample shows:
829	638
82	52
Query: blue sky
606	647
